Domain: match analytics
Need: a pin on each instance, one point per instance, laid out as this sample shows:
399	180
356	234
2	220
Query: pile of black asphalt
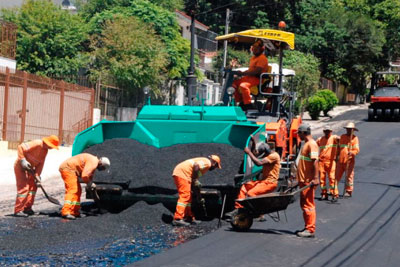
143	165
107	238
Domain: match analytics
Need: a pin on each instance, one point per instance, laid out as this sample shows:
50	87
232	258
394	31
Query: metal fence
32	106
206	41
8	39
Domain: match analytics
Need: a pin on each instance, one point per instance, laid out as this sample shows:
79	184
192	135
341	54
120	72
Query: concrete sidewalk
50	170
317	125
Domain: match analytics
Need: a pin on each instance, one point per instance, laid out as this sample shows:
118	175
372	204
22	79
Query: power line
205	12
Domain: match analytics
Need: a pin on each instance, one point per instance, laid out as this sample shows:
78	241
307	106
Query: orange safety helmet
52	141
217	160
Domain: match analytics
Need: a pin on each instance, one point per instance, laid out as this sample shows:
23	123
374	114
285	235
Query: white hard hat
105	162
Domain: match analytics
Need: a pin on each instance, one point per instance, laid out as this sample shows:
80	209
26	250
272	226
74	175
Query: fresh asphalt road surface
361	231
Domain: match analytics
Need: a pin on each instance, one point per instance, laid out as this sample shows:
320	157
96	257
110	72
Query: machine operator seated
251	77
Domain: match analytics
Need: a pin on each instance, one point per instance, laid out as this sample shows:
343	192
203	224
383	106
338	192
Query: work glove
197	184
26	165
92	186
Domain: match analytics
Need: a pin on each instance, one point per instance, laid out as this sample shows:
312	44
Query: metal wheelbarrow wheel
242	221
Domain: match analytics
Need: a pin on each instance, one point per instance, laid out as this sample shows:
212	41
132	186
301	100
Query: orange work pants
184	204
255	188
327	168
307	205
242	86
340	169
73	191
26	189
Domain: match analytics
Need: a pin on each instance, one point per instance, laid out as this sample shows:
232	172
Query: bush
330	98
315	104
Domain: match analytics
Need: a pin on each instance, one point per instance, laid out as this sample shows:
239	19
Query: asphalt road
361	231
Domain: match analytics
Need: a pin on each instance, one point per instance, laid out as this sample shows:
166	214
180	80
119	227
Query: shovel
39	184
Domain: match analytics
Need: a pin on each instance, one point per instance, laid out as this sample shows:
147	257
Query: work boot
69	217
347	194
262	218
21	214
180	223
81	215
193	221
30	212
324	197
334	199
306	234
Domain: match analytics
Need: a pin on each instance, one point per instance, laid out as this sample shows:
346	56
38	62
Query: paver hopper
162	126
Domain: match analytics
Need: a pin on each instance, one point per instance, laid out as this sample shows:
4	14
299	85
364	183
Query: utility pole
227	19
191	79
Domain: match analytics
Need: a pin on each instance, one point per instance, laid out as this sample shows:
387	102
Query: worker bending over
28	166
251	77
186	175
328	145
307	173
348	149
79	166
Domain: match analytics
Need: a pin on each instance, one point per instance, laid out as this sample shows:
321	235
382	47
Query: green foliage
314	105
242	57
133	60
307	72
92	7
50	40
330	98
388	13
166	29
170	5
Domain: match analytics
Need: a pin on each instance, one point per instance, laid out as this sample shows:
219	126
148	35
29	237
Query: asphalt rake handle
49	198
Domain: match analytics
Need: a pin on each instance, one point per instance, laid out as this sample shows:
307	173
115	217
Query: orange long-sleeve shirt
185	169
35	153
261	61
83	165
344	144
271	171
305	170
328	147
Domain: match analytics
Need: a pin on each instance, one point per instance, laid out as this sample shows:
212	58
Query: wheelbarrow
254	207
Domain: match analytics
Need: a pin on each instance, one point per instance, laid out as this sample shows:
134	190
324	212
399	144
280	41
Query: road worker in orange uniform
29	164
328	145
185	175
271	166
79	166
251	77
307	173
348	149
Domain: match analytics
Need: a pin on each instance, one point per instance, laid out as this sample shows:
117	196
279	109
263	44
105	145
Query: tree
306	80
90	8
166	29
133	60
364	49
50	40
388	13
242	57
